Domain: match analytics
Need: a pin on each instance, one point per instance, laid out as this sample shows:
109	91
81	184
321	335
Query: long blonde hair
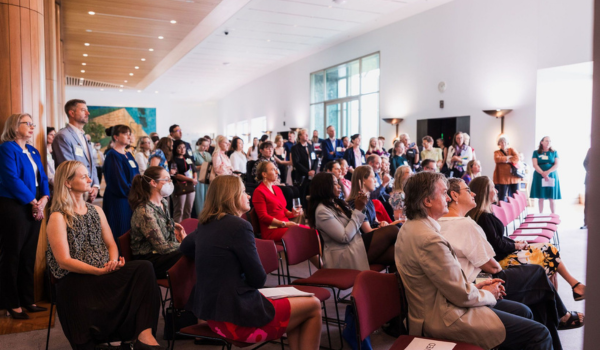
359	176
376	148
62	201
217	150
139	145
222	198
398	175
481	186
11	125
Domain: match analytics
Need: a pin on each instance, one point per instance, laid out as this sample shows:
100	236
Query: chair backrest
249	166
182	279
508	211
190	225
125	244
516	207
518	202
499	212
255	223
377	300
267	252
300	244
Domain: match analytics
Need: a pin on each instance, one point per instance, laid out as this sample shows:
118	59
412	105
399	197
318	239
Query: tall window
258	126
242	130
347	97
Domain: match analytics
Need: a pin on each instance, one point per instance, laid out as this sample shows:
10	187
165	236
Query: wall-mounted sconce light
498	113
393	121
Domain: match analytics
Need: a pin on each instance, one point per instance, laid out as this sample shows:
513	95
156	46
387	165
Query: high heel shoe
577	296
138	345
18	315
35	308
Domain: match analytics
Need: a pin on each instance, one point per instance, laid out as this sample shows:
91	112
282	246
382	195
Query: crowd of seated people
395	209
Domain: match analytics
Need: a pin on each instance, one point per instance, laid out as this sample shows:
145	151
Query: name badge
544	157
405	163
190	152
132	164
363	159
338	149
189	161
79	151
312	156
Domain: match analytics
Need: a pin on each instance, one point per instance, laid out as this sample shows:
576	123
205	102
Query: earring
69	189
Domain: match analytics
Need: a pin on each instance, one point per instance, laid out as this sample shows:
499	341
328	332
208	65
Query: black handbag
517	172
181	318
184	187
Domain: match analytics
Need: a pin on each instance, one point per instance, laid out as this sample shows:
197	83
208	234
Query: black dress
115	306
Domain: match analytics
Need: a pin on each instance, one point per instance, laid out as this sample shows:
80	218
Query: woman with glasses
23	197
154	235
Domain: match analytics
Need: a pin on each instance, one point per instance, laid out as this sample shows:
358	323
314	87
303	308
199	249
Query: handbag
176	320
184	187
349	332
205	174
515	171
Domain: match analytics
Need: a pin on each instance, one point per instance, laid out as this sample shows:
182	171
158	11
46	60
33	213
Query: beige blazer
343	246
442	303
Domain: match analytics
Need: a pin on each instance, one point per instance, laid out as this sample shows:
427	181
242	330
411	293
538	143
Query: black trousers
503	189
289	192
161	262
18	244
522	332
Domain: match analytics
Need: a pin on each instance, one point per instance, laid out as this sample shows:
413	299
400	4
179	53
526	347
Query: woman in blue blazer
351	155
229	273
23	197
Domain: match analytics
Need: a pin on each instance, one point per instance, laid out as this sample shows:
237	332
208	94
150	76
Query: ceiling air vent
72	81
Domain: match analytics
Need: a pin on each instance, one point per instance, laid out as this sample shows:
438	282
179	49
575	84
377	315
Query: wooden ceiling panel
121	32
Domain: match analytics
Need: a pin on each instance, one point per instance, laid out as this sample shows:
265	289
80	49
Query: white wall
488	52
195	119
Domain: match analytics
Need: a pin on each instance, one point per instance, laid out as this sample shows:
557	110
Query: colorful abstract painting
142	121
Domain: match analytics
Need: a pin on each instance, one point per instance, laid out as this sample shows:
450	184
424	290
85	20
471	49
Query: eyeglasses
168	180
29	124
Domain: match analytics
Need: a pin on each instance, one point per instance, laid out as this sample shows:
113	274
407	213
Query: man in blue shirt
289	144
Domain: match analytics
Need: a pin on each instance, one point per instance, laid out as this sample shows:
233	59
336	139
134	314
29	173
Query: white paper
540	219
429	344
548	183
525	238
536	225
283	292
531	231
541	214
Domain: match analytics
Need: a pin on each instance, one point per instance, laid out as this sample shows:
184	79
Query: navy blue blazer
228	273
17	179
349	157
327	147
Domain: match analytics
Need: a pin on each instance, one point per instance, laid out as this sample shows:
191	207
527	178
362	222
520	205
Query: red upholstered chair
189	225
382	214
302	244
377	298
252	217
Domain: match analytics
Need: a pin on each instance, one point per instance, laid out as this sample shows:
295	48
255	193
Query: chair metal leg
49	324
327	325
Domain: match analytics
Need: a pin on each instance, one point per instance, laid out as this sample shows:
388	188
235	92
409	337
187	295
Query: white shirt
50	165
238	161
142	161
469	243
35	168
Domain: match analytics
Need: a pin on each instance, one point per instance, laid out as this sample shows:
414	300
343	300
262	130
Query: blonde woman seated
526	284
513	253
229	273
98	296
397	196
473	171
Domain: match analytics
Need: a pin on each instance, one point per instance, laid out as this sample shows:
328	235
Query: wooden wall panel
16	80
5	107
25	62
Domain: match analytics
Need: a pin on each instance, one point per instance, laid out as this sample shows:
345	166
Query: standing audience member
99	164
345	143
289	144
375	148
397	196
201	156
70	143
331	147
224	249
505	158
281	157
221	163
270	204
154	235
440	144
175	134
545	184
305	163
429	152
437	287
253	150
473	170
142	154
154	137
162	153
119	169
23	196
459	155
50	169
412	151
381	142
586	163
354	155
98	296
211	148
265	151
397	159
509	252
237	156
428	165
468	143
344	182
182	202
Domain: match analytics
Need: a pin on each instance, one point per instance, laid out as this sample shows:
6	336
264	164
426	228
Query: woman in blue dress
545	184
119	169
201	156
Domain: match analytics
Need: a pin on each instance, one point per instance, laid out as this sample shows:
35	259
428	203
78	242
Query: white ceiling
268	34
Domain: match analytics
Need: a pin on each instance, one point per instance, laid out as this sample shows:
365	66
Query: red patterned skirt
271	331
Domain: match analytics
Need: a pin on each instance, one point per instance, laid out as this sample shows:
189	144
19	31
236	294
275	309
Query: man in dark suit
331	148
175	134
305	164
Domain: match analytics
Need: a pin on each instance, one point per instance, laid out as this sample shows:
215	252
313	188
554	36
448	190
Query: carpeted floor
573	251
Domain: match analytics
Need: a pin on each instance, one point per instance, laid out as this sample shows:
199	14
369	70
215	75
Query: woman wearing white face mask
154	234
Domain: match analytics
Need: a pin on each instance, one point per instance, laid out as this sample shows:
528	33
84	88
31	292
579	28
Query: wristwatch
282	224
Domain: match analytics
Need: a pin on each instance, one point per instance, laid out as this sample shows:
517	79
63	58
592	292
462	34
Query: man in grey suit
442	303
70	143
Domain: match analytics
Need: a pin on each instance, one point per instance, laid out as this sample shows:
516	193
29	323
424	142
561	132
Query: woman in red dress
269	204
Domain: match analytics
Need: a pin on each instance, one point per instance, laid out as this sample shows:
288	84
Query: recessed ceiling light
88	30
139	90
150	49
131	74
156	92
136	67
80	78
87	44
92	13
143	59
82	71
121	85
101	89
173	21
80	83
83	64
120	90
125	81
85	55
161	37
269	40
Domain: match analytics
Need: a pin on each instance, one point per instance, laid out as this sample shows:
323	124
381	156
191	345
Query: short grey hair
503	138
417	188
